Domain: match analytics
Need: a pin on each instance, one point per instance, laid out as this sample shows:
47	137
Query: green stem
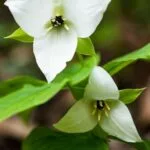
81	59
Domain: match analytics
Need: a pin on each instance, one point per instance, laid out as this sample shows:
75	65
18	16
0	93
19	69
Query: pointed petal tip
6	3
53	51
85	14
119	123
49	78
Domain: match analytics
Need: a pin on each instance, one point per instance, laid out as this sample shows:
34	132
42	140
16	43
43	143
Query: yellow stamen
99	115
94	112
66	27
107	106
50	28
106	113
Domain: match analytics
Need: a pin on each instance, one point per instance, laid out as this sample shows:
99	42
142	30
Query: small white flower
55	26
100	106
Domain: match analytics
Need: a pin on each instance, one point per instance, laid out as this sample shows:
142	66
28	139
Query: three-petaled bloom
56	26
100	106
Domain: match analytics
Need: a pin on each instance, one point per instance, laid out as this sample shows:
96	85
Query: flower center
57	21
100	108
100	105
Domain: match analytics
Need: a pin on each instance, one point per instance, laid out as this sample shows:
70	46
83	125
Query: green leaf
130	95
78	119
46	139
20	35
9	86
27	97
75	73
118	64
85	46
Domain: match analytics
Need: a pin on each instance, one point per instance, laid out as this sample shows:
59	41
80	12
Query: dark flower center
100	105
57	21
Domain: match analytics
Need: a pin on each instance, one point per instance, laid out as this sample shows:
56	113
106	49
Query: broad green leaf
8	86
12	85
27	97
118	64
85	46
46	139
75	73
78	119
130	95
20	35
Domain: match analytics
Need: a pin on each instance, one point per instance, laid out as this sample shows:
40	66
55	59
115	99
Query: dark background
125	28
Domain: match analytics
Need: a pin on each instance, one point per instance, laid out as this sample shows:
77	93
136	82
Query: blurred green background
124	28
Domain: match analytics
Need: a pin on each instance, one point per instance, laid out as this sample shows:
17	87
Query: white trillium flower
56	26
100	107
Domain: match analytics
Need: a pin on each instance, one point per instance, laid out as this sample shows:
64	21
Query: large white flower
55	26
100	106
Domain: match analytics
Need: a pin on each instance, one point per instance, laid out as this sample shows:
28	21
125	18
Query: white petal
119	123
54	50
31	15
85	14
101	86
78	119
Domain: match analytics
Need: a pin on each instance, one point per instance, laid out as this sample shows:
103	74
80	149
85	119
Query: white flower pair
56	26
